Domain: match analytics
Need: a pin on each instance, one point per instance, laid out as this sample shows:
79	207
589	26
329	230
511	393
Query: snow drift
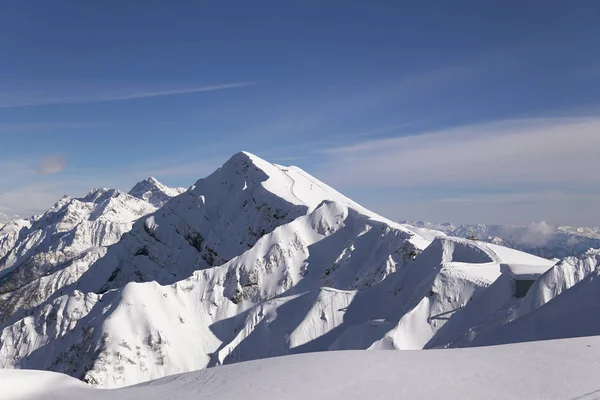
563	369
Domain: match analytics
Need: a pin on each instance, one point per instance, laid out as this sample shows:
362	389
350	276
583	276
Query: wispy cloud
23	98
536	151
27	126
144	95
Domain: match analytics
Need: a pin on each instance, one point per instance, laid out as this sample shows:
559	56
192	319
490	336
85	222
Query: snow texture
562	369
258	260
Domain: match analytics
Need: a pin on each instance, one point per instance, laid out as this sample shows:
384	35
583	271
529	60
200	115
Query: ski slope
560	369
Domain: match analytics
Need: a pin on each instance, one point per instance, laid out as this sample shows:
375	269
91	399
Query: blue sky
461	111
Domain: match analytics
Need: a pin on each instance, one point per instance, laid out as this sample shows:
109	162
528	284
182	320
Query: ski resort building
523	276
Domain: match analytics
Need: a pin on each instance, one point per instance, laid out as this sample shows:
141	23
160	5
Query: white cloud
19	97
537	234
142	95
548	151
52	164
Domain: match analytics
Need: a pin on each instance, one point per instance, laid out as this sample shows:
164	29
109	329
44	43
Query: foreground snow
561	369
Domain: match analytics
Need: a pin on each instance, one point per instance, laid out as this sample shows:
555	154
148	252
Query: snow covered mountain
542	239
255	260
250	235
9	234
4	218
154	192
562	303
42	255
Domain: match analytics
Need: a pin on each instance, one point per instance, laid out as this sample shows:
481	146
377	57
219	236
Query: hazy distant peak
154	192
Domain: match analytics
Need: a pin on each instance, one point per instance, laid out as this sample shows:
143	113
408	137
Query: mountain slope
42	255
563	303
4	219
266	302
494	319
255	260
9	234
147	330
443	285
217	219
561	369
251	236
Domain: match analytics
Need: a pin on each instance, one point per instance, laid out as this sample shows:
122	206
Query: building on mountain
523	276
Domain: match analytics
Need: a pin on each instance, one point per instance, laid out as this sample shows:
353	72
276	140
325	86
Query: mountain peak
154	192
4	218
241	161
146	183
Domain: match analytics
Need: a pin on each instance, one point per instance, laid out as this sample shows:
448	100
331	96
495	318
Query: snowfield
561	369
260	260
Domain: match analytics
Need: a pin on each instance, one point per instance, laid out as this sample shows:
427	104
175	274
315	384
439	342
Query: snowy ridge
228	247
152	191
439	287
561	277
40	256
4	219
561	304
255	260
137	341
9	234
244	313
499	317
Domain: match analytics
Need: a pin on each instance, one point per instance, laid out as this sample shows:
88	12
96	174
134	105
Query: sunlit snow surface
561	369
259	260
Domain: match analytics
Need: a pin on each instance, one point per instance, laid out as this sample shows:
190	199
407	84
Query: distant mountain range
259	260
4	218
542	239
